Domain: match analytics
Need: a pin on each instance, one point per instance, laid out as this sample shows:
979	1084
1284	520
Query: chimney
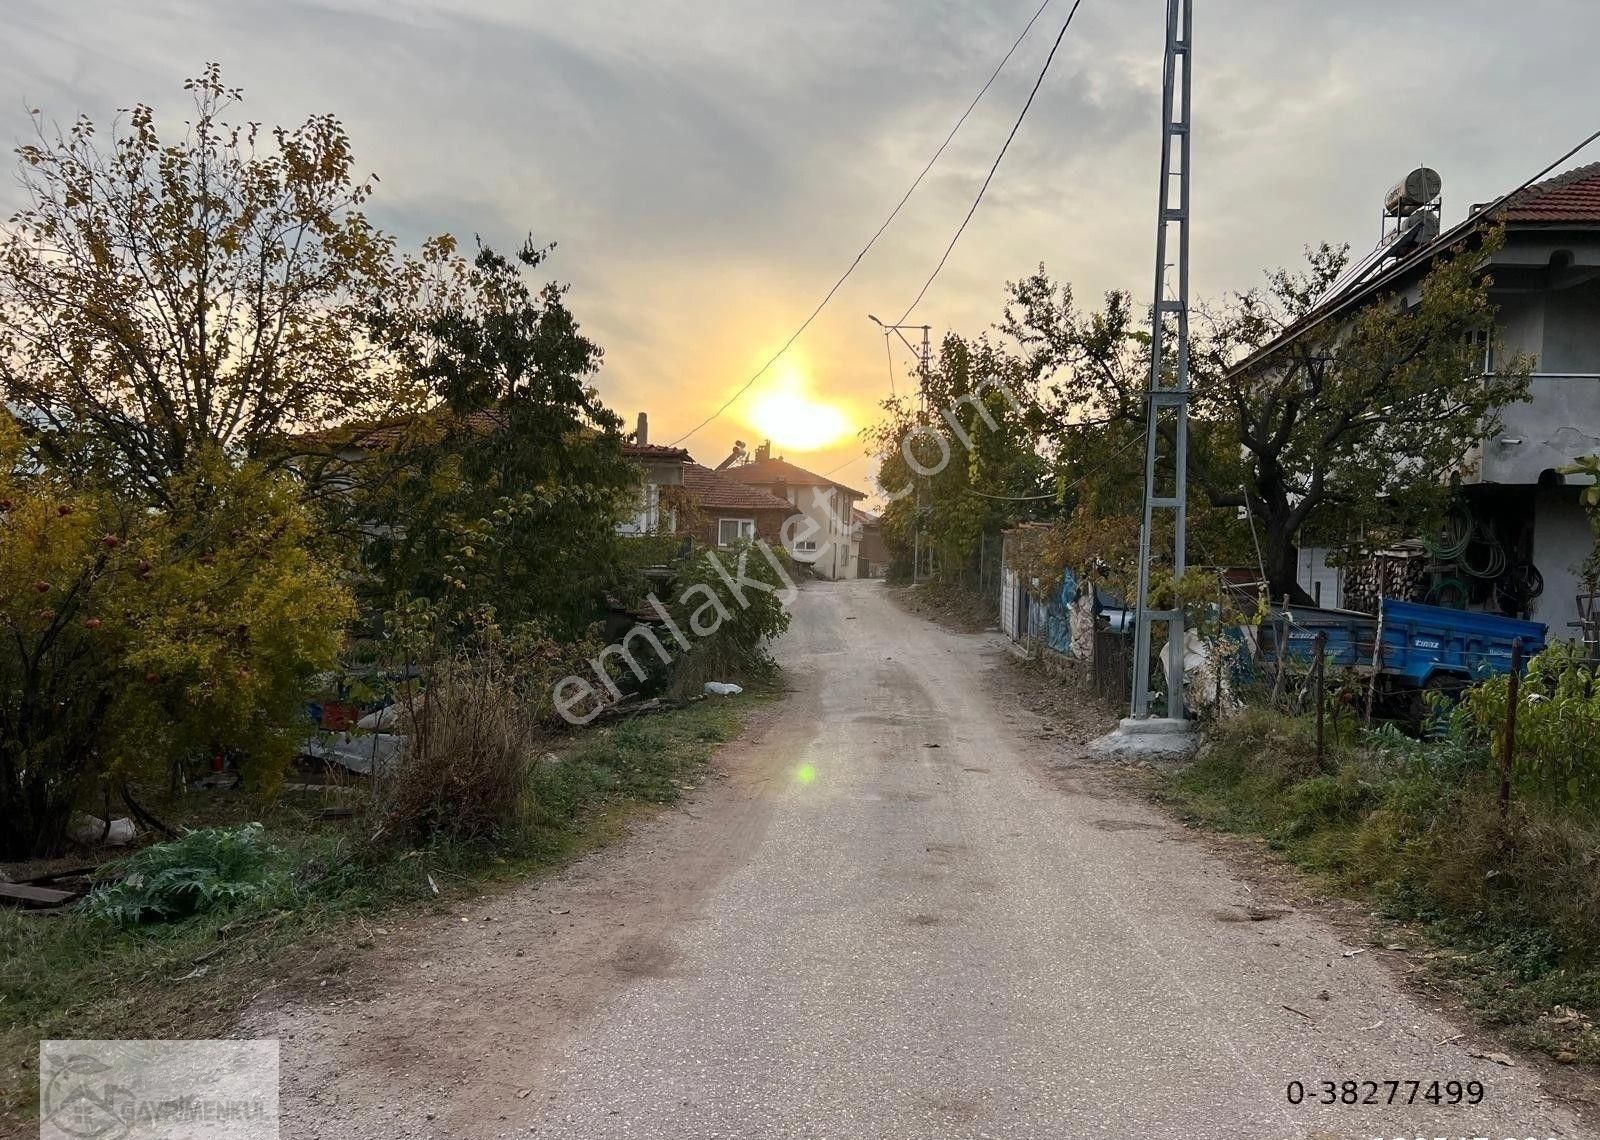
764	452
642	435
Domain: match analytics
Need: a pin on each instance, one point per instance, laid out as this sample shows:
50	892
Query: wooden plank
34	896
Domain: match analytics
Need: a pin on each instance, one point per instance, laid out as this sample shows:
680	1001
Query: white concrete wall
1008	603
1323	582
826	521
1562	540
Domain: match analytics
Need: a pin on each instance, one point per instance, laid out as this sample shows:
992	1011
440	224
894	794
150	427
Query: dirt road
882	918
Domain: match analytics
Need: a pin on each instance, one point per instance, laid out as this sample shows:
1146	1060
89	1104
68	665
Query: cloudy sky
709	167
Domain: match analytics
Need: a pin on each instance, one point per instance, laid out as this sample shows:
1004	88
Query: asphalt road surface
883	917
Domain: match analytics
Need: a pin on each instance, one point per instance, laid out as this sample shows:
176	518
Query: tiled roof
403	429
1570	197
390	432
770	471
714	490
654	451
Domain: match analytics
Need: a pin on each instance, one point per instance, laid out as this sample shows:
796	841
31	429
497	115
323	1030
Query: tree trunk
1281	553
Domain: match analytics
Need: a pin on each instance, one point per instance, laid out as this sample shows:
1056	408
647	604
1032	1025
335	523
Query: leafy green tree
162	298
508	491
970	464
132	639
1354	426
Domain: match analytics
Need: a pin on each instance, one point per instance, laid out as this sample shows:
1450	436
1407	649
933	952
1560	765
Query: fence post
1283	651
1508	746
1321	643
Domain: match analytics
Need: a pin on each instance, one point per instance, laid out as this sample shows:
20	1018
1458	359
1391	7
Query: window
730	531
809	545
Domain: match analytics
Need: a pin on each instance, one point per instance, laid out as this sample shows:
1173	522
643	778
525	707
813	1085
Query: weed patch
312	888
1513	903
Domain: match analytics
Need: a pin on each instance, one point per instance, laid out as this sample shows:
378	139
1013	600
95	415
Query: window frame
746	531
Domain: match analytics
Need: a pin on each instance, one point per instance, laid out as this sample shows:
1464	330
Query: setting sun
787	414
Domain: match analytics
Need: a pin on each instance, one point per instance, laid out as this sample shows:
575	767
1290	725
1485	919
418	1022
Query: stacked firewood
1400	573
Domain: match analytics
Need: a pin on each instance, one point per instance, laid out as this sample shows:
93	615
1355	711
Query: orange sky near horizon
708	169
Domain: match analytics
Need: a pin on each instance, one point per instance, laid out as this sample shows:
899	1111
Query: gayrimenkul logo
79	1101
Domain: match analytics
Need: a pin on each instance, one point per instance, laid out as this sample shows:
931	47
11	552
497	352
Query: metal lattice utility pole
924	363
1166	477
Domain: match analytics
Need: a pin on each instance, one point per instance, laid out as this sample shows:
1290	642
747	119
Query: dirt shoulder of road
954	608
410	1011
1054	710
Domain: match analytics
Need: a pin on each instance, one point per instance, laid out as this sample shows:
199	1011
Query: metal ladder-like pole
1169	391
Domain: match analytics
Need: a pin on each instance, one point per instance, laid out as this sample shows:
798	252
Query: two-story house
1527	537
824	537
660	466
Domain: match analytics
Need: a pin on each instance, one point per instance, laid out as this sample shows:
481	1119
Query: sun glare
786	413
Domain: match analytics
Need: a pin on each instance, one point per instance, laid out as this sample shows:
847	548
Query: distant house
1527	535
872	551
724	511
824	538
662	466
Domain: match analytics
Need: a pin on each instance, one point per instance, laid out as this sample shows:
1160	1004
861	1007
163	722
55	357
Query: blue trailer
1413	649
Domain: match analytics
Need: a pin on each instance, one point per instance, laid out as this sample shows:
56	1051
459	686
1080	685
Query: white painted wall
1562	540
825	520
1323	582
1008	603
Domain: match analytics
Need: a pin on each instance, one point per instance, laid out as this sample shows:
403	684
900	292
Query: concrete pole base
1149	738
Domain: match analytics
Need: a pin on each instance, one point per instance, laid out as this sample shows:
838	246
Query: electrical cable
1429	250
877	234
1015	127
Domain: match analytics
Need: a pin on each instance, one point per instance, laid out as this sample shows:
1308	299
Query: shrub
464	773
215	868
1558	725
730	639
134	638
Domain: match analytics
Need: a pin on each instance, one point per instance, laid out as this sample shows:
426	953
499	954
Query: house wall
647	513
1323	582
874	550
647	517
1562	540
769	524
826	522
1548	310
1572	330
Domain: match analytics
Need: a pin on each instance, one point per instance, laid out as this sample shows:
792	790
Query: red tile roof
404	429
770	471
400	429
1570	197
714	490
654	451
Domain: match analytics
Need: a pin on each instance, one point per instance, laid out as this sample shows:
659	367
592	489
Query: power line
879	232
1015	127
1352	292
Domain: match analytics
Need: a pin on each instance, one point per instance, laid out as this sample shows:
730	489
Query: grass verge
68	975
1511	905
